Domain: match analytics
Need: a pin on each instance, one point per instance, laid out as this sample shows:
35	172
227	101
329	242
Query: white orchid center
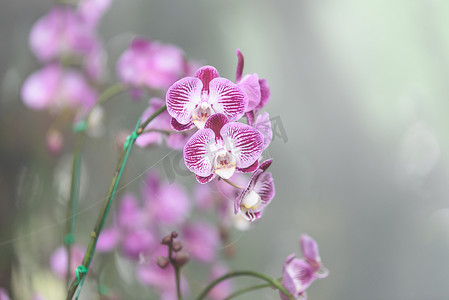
224	165
201	113
250	201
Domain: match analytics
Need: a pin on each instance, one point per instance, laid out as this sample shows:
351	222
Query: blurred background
360	94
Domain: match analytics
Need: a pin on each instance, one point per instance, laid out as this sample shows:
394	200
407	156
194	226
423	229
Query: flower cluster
222	145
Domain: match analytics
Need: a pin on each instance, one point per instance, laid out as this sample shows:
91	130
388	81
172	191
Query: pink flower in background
55	88
167	204
256	89
192	100
150	64
257	195
158	125
221	148
93	10
60	33
201	241
58	260
298	274
224	288
132	232
4	294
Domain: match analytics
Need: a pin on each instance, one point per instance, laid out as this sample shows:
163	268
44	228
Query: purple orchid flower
192	100
221	148
298	274
150	64
55	88
62	32
255	88
257	195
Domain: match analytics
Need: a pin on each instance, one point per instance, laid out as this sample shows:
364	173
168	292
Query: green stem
248	289
69	238
73	202
107	204
232	184
273	282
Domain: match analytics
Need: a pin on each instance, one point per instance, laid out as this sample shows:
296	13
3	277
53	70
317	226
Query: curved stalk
248	289
273	282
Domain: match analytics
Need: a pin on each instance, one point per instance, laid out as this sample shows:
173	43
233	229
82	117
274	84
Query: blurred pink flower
58	260
93	10
224	288
55	88
201	240
150	64
298	274
62	32
167	204
4	294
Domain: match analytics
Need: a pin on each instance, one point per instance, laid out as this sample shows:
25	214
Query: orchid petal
263	124
300	272
240	64
264	94
182	97
204	180
250	85
264	187
245	142
309	248
206	74
249	169
181	127
216	122
197	154
227	98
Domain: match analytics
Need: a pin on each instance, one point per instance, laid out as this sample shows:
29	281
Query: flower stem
248	289
273	282
69	238
73	201
107	204
233	184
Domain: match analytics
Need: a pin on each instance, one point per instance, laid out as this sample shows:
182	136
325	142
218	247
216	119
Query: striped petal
182	98
206	74
244	141
181	127
197	154
227	98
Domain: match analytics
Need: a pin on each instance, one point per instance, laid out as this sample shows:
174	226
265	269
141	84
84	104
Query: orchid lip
201	113
225	164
